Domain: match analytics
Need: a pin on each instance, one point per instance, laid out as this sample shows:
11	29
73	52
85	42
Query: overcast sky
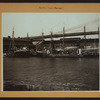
35	23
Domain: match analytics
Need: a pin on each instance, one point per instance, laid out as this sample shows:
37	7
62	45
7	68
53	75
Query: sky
36	23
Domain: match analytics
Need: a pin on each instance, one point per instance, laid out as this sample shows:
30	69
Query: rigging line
56	25
90	22
79	26
73	28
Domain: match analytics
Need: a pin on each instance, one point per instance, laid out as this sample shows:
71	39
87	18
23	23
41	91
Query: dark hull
66	56
28	54
18	54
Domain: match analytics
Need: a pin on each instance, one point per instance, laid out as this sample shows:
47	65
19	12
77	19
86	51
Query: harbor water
50	74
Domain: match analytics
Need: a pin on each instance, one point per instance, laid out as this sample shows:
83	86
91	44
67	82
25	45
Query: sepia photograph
50	51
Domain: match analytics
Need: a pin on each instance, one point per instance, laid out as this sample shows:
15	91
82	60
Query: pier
65	39
24	41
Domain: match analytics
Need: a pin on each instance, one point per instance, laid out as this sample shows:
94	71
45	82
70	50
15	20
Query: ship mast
84	37
13	39
63	37
27	35
98	32
84	32
42	36
42	41
51	46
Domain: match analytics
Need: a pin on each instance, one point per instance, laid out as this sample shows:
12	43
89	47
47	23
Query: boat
67	52
74	53
17	52
52	51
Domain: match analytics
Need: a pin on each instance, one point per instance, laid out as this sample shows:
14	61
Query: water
50	74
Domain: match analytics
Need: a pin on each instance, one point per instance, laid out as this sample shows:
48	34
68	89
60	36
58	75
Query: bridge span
65	35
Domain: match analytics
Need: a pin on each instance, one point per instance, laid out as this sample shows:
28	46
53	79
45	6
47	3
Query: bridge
27	41
66	35
68	32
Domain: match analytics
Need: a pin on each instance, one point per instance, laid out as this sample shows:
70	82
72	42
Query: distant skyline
36	23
